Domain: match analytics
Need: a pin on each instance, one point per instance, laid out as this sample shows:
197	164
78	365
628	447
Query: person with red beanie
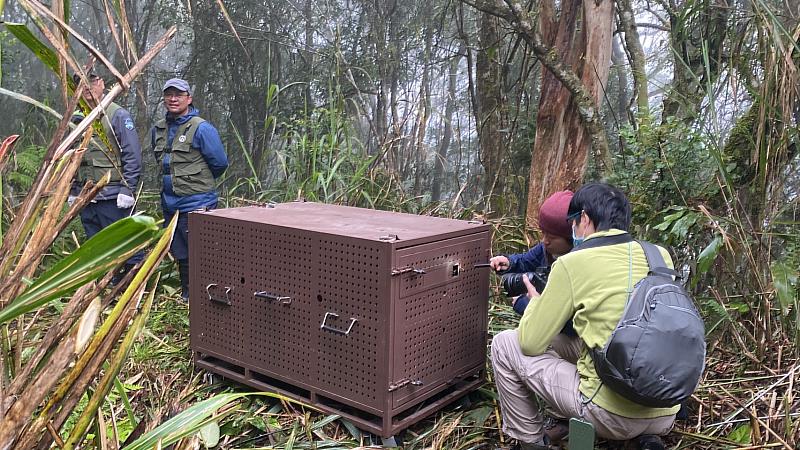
556	241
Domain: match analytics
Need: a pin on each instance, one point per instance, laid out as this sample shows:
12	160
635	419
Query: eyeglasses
176	95
574	216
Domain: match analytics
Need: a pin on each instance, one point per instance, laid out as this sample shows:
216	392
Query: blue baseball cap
178	84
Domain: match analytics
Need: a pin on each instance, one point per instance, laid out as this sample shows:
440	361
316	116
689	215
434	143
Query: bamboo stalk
19	413
75	382
769	430
72	311
34	4
107	381
115	91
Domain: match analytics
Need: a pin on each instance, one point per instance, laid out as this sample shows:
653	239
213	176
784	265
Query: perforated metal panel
380	317
441	317
351	292
223	248
280	309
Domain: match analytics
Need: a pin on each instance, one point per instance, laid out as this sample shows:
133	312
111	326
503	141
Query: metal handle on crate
225	301
336	330
404	382
407	269
281	298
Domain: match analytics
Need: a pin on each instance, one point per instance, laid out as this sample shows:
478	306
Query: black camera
514	286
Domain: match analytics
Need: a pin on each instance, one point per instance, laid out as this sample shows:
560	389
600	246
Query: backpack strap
604	240
656	262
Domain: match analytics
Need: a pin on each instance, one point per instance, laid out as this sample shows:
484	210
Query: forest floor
161	380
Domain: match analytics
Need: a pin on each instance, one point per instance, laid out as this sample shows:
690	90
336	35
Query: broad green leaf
708	255
209	434
681	226
784	278
741	434
669	219
740	307
105	250
42	51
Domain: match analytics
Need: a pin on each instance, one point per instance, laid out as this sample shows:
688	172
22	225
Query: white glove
71	199
124	201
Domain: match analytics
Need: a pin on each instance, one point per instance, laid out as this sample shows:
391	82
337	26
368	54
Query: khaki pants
553	377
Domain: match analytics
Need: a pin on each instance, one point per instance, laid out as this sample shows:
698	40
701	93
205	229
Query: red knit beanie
553	214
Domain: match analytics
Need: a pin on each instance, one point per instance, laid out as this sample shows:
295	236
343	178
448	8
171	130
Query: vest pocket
192	178
98	166
102	162
187	169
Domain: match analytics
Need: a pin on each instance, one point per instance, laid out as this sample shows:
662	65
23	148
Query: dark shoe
555	431
649	442
183	272
120	273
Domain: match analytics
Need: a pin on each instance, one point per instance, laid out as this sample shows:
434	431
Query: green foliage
316	158
784	279
105	250
42	51
659	171
26	165
741	434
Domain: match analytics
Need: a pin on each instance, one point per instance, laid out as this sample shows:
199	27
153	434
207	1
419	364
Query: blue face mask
576	241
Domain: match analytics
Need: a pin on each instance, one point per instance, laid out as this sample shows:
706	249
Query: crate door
278	326
218	248
351	291
440	315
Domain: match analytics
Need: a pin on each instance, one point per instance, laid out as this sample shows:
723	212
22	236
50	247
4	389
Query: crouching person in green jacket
590	287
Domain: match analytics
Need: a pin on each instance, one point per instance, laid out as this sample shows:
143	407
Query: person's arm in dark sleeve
207	140
130	150
153	140
528	261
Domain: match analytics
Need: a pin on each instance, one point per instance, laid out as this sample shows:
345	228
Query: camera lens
513	284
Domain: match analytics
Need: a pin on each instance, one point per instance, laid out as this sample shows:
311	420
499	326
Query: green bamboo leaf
184	424
784	279
106	249
194	418
708	255
42	51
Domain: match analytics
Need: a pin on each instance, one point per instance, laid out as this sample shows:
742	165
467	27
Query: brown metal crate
378	316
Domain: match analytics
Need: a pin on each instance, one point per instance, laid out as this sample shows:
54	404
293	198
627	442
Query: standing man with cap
191	157
122	160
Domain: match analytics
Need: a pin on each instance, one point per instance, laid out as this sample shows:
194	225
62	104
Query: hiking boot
555	430
649	442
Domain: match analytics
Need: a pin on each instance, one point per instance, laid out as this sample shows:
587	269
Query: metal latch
397	385
407	269
269	296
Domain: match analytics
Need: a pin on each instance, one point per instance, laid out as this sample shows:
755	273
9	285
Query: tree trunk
561	145
491	112
447	133
697	36
627	21
618	61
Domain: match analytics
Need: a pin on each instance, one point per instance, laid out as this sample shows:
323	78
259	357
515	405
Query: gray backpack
656	354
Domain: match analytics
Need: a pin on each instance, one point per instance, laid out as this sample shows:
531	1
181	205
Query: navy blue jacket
207	141
130	153
529	261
